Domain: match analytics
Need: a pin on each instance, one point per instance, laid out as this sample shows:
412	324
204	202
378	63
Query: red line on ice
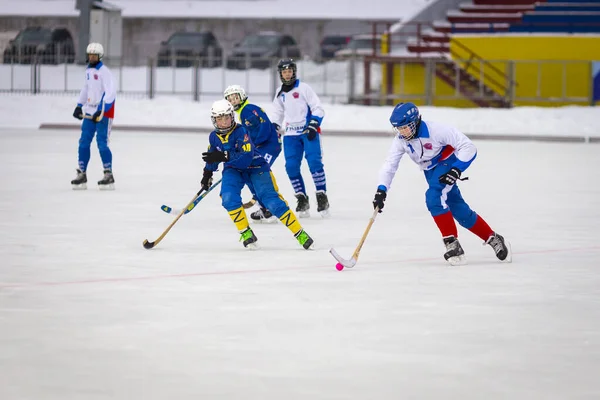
251	271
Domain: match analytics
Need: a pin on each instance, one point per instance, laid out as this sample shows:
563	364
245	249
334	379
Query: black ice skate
107	182
501	247
455	254
303	205
322	204
249	239
80	181
263	216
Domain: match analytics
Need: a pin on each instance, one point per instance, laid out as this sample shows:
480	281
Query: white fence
334	82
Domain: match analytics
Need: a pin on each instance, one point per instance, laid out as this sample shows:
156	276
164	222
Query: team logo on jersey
246	138
254	112
296	95
428	146
96	76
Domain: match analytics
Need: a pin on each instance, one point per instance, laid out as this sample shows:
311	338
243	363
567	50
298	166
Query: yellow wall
411	83
526	51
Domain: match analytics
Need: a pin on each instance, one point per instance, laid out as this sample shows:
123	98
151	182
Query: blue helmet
406	120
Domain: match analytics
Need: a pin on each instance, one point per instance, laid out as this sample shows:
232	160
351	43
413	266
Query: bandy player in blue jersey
230	144
443	153
263	133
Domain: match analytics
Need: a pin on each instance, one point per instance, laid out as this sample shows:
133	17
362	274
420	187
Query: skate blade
110	186
458	260
252	246
270	220
325	213
508	258
81	186
303	214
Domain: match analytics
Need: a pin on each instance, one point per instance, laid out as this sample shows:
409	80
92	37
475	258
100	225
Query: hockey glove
378	201
450	177
206	181
215	156
311	129
78	113
96	116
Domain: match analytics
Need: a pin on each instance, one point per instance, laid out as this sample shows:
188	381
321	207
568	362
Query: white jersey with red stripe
99	86
435	142
296	108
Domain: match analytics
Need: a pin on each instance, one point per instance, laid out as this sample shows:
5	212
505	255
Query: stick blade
166	209
148	245
346	263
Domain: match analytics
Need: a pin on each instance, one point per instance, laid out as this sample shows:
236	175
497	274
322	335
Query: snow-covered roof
384	10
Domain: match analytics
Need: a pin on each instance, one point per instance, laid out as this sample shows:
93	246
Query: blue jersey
257	123
241	149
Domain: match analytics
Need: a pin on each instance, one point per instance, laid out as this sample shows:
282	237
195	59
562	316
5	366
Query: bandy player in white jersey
297	104
443	153
96	107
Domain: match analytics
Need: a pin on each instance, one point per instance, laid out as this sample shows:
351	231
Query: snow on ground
30	111
87	313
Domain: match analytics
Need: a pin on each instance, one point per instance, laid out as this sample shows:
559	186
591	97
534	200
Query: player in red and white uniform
96	107
443	153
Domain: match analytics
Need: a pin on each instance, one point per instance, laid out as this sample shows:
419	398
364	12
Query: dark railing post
351	80
150	75
196	80
429	76
367	82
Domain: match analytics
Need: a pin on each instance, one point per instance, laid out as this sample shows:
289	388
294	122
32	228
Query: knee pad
231	201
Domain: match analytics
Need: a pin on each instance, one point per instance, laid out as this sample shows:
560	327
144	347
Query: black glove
378	201
450	177
215	156
96	116
78	113
206	181
276	126
311	129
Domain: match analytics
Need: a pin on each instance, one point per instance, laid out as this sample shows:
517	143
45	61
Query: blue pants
263	183
295	148
440	197
270	152
102	132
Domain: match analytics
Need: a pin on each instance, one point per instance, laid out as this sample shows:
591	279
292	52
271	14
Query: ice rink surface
87	313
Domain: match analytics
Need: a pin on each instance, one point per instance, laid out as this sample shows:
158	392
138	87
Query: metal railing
355	80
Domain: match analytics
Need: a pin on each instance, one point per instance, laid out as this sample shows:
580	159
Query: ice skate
305	240
323	204
249	240
107	182
455	254
303	205
501	247
263	216
80	181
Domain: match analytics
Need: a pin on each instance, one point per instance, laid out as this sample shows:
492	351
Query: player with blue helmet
443	153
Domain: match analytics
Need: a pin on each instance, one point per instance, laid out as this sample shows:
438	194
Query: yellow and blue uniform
261	130
246	166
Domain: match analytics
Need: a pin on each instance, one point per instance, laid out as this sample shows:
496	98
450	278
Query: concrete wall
142	37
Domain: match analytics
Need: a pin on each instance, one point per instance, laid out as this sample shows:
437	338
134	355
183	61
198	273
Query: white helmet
236	89
95	48
222	107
